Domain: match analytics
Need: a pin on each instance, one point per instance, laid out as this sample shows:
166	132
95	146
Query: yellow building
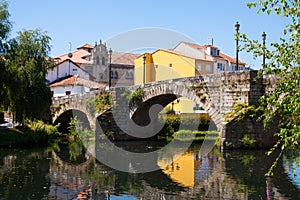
165	64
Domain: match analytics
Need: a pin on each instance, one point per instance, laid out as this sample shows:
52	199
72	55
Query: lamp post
264	36
178	100
144	65
237	28
109	76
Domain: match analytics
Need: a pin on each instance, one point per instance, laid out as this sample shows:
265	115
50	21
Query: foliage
242	111
136	98
103	102
76	129
173	122
247	141
283	59
32	133
99	103
5	28
187	135
28	93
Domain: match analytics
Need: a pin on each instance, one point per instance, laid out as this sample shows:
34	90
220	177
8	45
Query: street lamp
178	100
237	28
109	76
144	64
264	36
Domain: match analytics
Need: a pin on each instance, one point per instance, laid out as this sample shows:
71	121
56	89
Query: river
65	172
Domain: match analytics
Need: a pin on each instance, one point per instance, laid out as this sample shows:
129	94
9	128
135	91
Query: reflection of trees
25	175
249	170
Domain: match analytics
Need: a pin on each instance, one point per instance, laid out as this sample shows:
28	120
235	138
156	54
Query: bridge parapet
73	102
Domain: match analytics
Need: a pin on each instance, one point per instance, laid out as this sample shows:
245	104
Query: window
127	75
68	92
116	75
208	68
221	67
199	67
170	65
97	60
131	75
103	61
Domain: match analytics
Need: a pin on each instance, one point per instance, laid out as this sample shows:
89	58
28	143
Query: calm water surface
67	173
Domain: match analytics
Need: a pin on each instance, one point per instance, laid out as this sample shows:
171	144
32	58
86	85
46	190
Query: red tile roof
76	80
221	54
230	59
86	46
81	53
123	58
77	56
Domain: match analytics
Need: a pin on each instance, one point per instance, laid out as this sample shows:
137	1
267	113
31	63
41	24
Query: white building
222	61
71	85
66	68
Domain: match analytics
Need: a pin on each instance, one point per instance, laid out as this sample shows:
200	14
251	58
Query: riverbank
32	134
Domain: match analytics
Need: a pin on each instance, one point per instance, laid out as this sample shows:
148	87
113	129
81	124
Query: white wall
61	91
189	51
65	69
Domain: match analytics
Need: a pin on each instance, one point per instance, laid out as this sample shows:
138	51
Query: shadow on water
68	172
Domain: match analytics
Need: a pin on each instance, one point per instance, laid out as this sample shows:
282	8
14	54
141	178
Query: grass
188	135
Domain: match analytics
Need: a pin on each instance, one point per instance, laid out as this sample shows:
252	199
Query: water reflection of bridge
192	175
67	179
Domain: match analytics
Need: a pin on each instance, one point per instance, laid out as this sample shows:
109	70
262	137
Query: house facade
166	64
222	62
66	68
71	85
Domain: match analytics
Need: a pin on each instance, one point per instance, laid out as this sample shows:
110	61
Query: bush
32	133
186	122
247	141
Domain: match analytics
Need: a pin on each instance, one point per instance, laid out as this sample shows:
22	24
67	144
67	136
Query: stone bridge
217	94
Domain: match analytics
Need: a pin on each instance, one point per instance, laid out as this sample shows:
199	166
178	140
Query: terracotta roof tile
230	59
77	56
76	80
222	55
86	46
123	58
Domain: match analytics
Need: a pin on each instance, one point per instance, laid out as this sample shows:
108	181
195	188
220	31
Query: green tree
27	61
283	60
5	28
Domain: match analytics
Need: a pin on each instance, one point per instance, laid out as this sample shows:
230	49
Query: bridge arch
64	119
165	92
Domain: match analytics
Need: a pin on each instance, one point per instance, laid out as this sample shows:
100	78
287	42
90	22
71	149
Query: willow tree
5	28
283	59
27	61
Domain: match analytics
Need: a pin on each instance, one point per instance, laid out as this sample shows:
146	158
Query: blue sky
81	22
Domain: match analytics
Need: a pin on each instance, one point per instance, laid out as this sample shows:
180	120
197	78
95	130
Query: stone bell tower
100	62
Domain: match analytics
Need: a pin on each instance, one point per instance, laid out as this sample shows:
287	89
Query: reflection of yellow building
181	170
166	64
